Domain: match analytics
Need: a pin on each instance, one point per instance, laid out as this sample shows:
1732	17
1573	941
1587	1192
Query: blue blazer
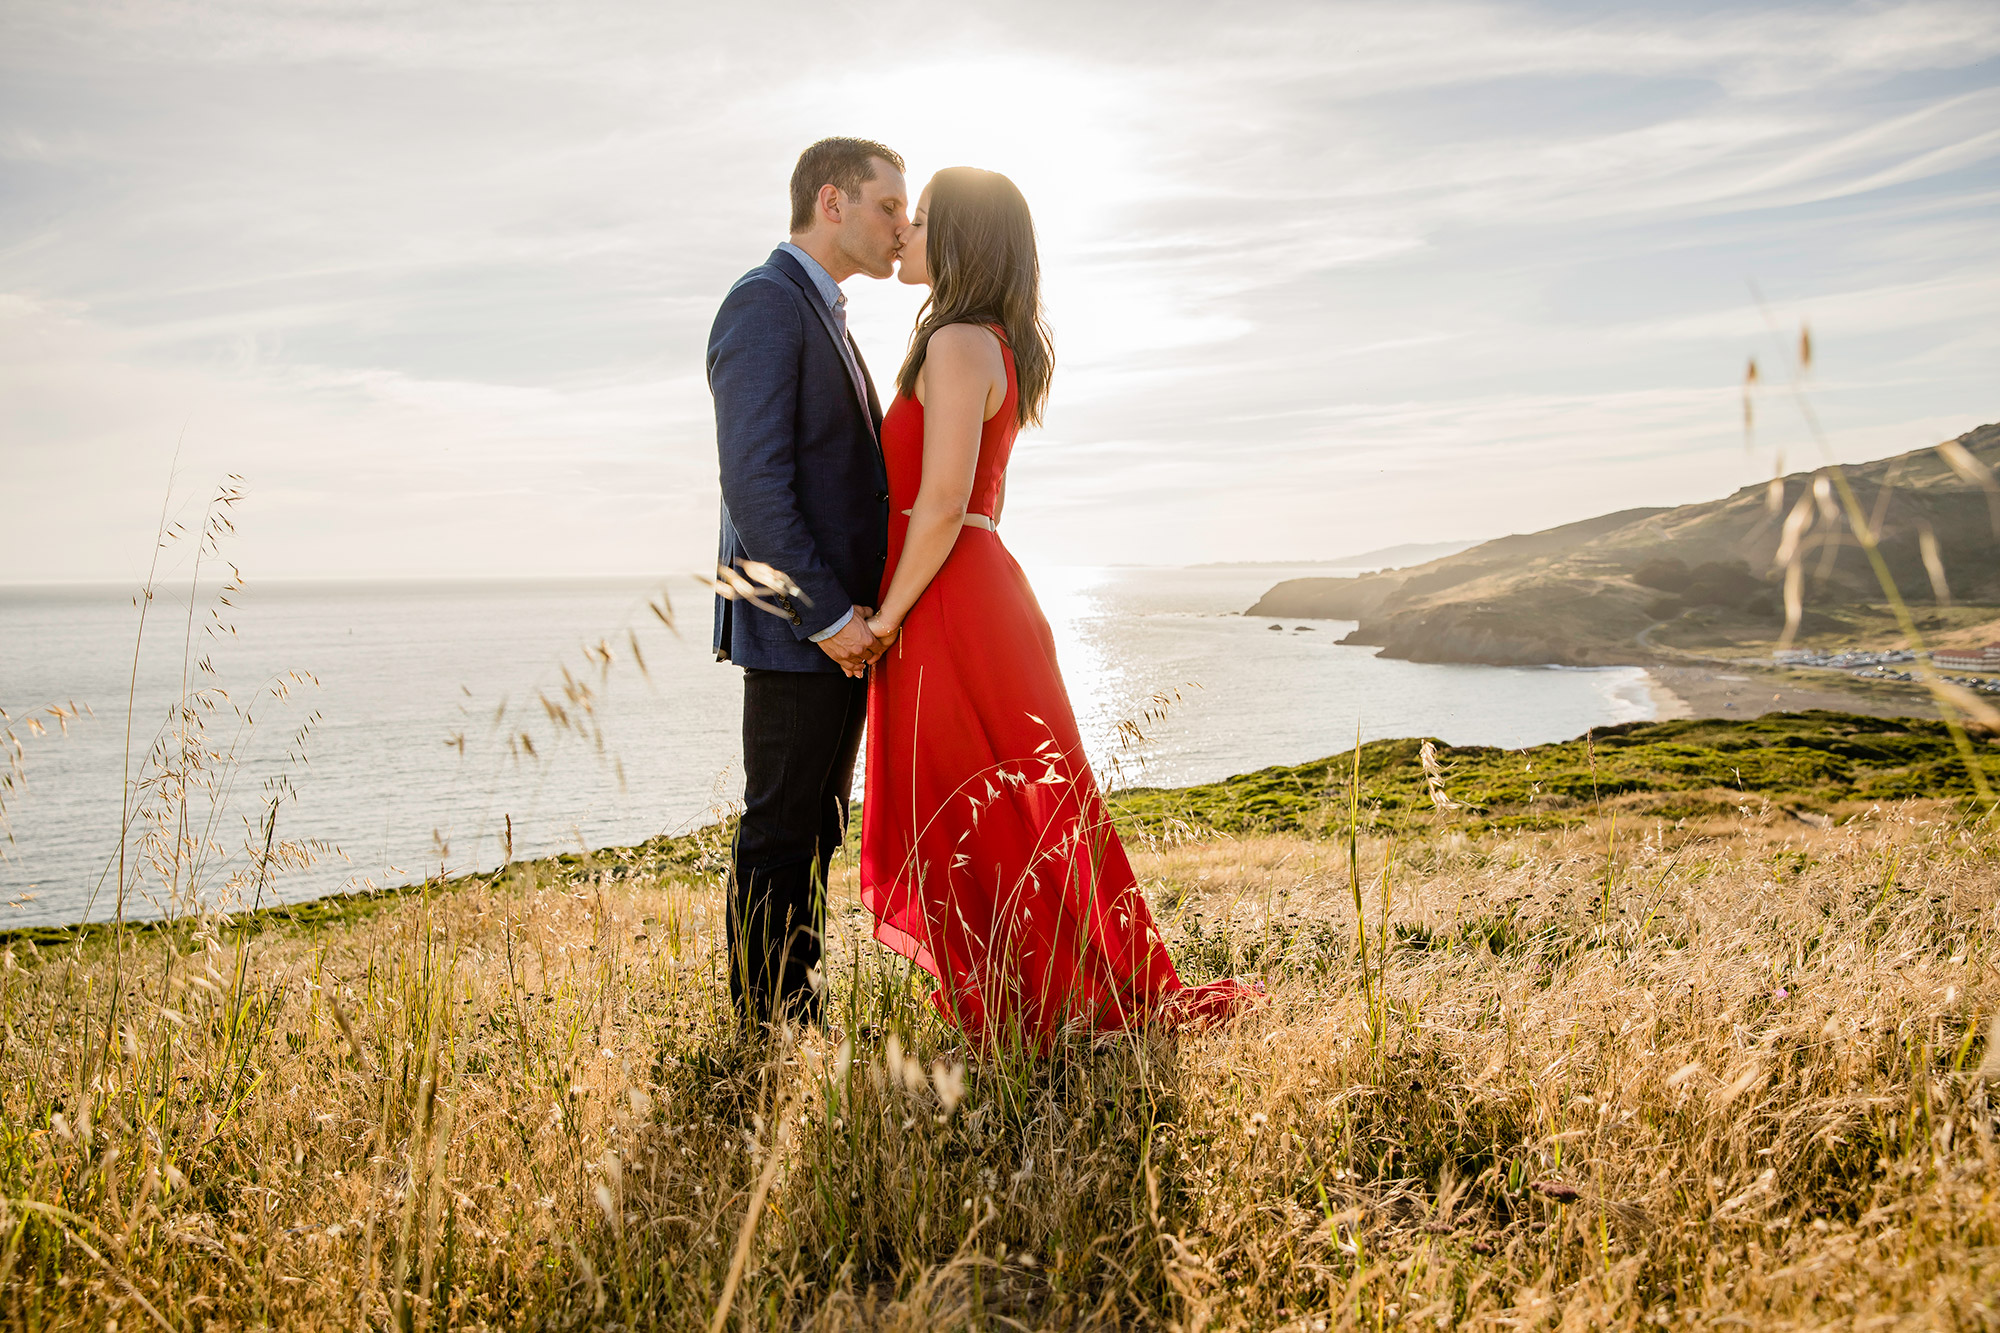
804	487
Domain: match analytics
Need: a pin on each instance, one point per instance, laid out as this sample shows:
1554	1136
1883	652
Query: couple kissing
882	601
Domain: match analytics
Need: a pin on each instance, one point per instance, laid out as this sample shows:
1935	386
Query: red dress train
987	856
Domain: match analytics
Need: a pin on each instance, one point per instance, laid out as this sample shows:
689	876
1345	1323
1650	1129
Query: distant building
1968	659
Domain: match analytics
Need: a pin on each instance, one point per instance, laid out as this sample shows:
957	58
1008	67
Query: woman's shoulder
967	344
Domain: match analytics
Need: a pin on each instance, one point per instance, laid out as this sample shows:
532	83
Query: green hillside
1809	762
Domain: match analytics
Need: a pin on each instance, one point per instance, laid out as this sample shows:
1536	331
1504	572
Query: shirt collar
829	290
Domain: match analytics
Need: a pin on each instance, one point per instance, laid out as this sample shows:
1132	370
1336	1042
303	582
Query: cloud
438	277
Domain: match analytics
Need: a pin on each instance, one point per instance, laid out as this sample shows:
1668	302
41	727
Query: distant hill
1386	557
1585	593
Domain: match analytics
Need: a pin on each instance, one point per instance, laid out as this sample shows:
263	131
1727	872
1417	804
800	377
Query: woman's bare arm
962	366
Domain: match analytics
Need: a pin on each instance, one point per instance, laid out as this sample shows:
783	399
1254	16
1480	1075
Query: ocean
385	722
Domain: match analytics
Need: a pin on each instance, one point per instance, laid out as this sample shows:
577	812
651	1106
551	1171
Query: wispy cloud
438	277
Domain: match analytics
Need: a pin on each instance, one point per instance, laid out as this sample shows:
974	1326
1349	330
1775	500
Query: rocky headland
1693	581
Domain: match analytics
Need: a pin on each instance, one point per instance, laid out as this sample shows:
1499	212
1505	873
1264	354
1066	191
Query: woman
986	853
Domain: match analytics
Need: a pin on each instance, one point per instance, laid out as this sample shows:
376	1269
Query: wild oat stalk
1368	990
1953	703
15	733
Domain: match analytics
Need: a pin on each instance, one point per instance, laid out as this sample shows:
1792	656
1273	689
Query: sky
436	278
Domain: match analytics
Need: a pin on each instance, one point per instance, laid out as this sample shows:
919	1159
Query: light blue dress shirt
836	301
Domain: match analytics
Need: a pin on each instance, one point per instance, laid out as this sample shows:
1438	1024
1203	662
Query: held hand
854	647
869	616
883	630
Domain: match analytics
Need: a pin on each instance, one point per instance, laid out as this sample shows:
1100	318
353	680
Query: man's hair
847	163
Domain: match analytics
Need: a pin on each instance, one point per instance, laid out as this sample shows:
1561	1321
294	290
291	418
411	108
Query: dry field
1684	1076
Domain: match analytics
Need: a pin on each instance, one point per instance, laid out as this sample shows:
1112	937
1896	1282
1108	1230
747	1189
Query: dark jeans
801	731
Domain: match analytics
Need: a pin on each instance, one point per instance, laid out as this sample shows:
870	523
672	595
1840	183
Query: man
804	490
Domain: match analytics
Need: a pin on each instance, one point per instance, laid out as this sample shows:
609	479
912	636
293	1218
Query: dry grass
1718	1075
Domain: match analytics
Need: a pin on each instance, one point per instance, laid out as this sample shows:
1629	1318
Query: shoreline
1733	690
657	855
1668	706
1677	693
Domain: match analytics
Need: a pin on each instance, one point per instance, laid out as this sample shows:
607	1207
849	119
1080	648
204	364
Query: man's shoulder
764	298
779	274
764	282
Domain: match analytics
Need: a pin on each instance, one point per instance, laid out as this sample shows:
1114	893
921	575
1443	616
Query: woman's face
911	264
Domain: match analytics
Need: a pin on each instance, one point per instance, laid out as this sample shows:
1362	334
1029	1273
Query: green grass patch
1681	769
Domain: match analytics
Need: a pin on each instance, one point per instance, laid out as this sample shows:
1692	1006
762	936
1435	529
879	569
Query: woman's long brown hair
980	249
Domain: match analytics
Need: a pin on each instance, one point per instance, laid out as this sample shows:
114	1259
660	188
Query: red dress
986	853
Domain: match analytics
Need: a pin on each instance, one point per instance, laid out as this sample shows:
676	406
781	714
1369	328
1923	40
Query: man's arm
753	371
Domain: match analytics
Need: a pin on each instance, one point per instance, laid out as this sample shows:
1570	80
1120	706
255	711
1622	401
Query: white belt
973	521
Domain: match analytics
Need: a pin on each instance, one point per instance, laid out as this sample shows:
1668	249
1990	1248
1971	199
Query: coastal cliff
1326	599
1618	588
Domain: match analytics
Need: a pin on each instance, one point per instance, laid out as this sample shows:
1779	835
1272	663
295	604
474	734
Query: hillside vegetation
1810	764
1624	586
1725	1070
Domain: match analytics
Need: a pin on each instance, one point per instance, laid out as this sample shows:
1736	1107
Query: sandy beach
1744	691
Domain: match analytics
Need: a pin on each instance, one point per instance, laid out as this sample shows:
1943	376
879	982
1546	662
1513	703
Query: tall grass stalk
1354	883
1953	704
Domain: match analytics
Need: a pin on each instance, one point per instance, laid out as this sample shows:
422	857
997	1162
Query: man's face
871	230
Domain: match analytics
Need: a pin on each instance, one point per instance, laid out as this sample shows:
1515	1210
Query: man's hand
854	647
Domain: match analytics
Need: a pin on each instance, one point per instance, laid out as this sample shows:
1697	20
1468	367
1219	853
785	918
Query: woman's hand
883	628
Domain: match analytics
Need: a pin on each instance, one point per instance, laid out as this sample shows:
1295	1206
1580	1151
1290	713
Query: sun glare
1070	136
1073	137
